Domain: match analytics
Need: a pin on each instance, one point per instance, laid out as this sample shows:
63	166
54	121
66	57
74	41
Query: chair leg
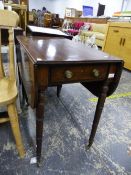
13	116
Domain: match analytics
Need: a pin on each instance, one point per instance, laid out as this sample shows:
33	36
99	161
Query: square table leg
39	124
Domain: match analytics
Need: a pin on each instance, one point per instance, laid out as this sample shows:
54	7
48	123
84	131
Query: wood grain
8	88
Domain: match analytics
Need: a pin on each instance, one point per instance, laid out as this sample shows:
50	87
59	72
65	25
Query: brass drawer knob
96	73
116	31
68	74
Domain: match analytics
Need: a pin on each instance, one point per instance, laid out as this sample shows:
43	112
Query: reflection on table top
46	30
48	50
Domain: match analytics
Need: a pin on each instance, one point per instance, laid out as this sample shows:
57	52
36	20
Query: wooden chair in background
47	19
8	88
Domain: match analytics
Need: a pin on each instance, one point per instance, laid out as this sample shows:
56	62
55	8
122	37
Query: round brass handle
96	73
68	74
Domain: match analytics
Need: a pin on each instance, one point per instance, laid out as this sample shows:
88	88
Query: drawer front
115	30
65	74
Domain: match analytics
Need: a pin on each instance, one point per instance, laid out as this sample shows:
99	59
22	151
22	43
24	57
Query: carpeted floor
67	125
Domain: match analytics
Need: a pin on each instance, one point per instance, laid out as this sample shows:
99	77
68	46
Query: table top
48	50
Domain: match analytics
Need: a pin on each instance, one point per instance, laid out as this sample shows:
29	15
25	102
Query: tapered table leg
99	108
39	125
59	90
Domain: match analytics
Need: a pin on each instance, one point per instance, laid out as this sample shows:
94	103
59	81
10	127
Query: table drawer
78	73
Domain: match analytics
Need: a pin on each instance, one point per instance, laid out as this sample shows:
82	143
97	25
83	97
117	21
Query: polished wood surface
8	88
48	50
21	9
66	74
4	21
8	94
118	41
50	61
